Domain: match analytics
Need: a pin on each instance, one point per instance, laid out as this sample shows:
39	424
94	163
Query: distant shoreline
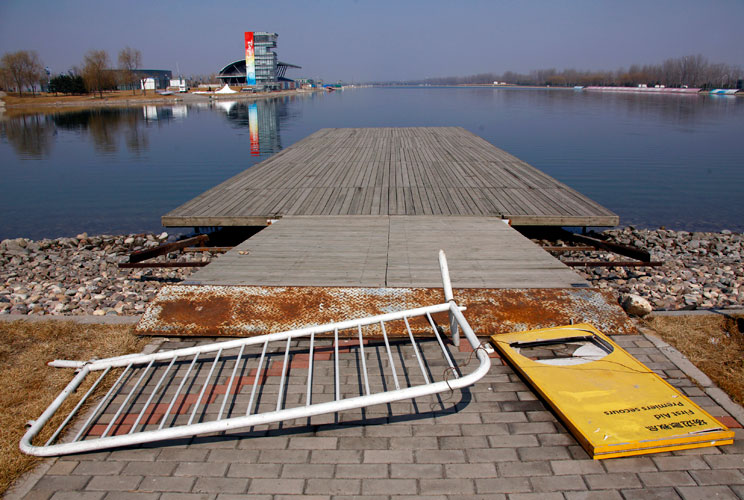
45	103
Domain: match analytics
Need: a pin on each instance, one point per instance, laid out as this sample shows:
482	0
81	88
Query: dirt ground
28	385
712	342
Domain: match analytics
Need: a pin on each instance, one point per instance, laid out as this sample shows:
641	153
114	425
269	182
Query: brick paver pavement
495	440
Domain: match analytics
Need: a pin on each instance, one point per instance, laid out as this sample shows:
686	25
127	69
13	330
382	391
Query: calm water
673	161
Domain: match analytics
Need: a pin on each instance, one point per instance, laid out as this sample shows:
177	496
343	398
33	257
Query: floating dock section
441	171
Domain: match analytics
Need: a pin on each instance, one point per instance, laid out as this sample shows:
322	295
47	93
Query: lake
656	160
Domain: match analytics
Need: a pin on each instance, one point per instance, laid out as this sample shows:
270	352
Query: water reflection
30	135
33	136
262	119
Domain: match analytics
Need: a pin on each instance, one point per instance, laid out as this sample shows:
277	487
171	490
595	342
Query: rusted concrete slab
213	310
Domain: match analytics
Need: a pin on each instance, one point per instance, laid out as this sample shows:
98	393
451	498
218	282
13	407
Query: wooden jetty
357	219
388	251
440	171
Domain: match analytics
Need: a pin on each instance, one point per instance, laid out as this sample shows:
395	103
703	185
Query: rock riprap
74	276
700	270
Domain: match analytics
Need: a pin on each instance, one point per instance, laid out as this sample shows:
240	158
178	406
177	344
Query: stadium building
268	73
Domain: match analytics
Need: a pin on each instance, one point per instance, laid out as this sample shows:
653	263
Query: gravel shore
79	276
699	271
73	276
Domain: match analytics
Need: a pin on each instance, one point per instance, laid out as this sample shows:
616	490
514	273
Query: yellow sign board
612	403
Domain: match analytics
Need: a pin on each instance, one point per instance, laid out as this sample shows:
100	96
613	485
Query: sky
380	40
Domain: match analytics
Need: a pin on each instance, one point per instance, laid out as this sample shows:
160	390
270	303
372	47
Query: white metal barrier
151	399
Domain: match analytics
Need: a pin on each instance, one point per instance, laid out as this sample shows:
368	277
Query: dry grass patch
712	342
28	386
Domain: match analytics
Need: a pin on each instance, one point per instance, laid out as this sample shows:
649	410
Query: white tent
226	90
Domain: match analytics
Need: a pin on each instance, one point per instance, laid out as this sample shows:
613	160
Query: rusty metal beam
208	249
165	248
569	249
633	253
142	265
617	263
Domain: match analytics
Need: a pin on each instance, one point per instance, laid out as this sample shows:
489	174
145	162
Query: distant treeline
690	71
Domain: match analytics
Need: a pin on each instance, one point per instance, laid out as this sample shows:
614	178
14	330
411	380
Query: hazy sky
382	39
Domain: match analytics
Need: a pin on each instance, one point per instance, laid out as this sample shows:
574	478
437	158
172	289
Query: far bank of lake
656	160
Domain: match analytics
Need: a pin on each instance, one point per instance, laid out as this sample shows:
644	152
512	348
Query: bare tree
96	73
129	60
21	69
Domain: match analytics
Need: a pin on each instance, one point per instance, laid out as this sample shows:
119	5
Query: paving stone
272	486
492	429
62	483
524	469
221	485
612	481
630	464
387	456
360	471
393	430
46	494
183	455
679	463
335	456
334	486
543	453
254	470
557	483
446	486
187	496
62	468
658	479
283	456
712	477
313	443
264	443
562	439
76	495
536	496
439	456
593	495
95	456
531	428
214	469
233	456
307	471
650	494
563	467
149	468
362	443
470	470
707	492
294	497
509	441
413	443
165	483
130	495
414	471
492	455
438	430
509	485
389	487
462	443
725	461
504	417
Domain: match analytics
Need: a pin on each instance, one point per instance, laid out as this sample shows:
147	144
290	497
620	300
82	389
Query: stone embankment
73	276
700	270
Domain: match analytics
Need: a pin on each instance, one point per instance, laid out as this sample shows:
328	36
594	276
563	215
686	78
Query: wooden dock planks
388	251
391	171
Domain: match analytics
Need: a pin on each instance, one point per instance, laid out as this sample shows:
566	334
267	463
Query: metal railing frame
456	319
